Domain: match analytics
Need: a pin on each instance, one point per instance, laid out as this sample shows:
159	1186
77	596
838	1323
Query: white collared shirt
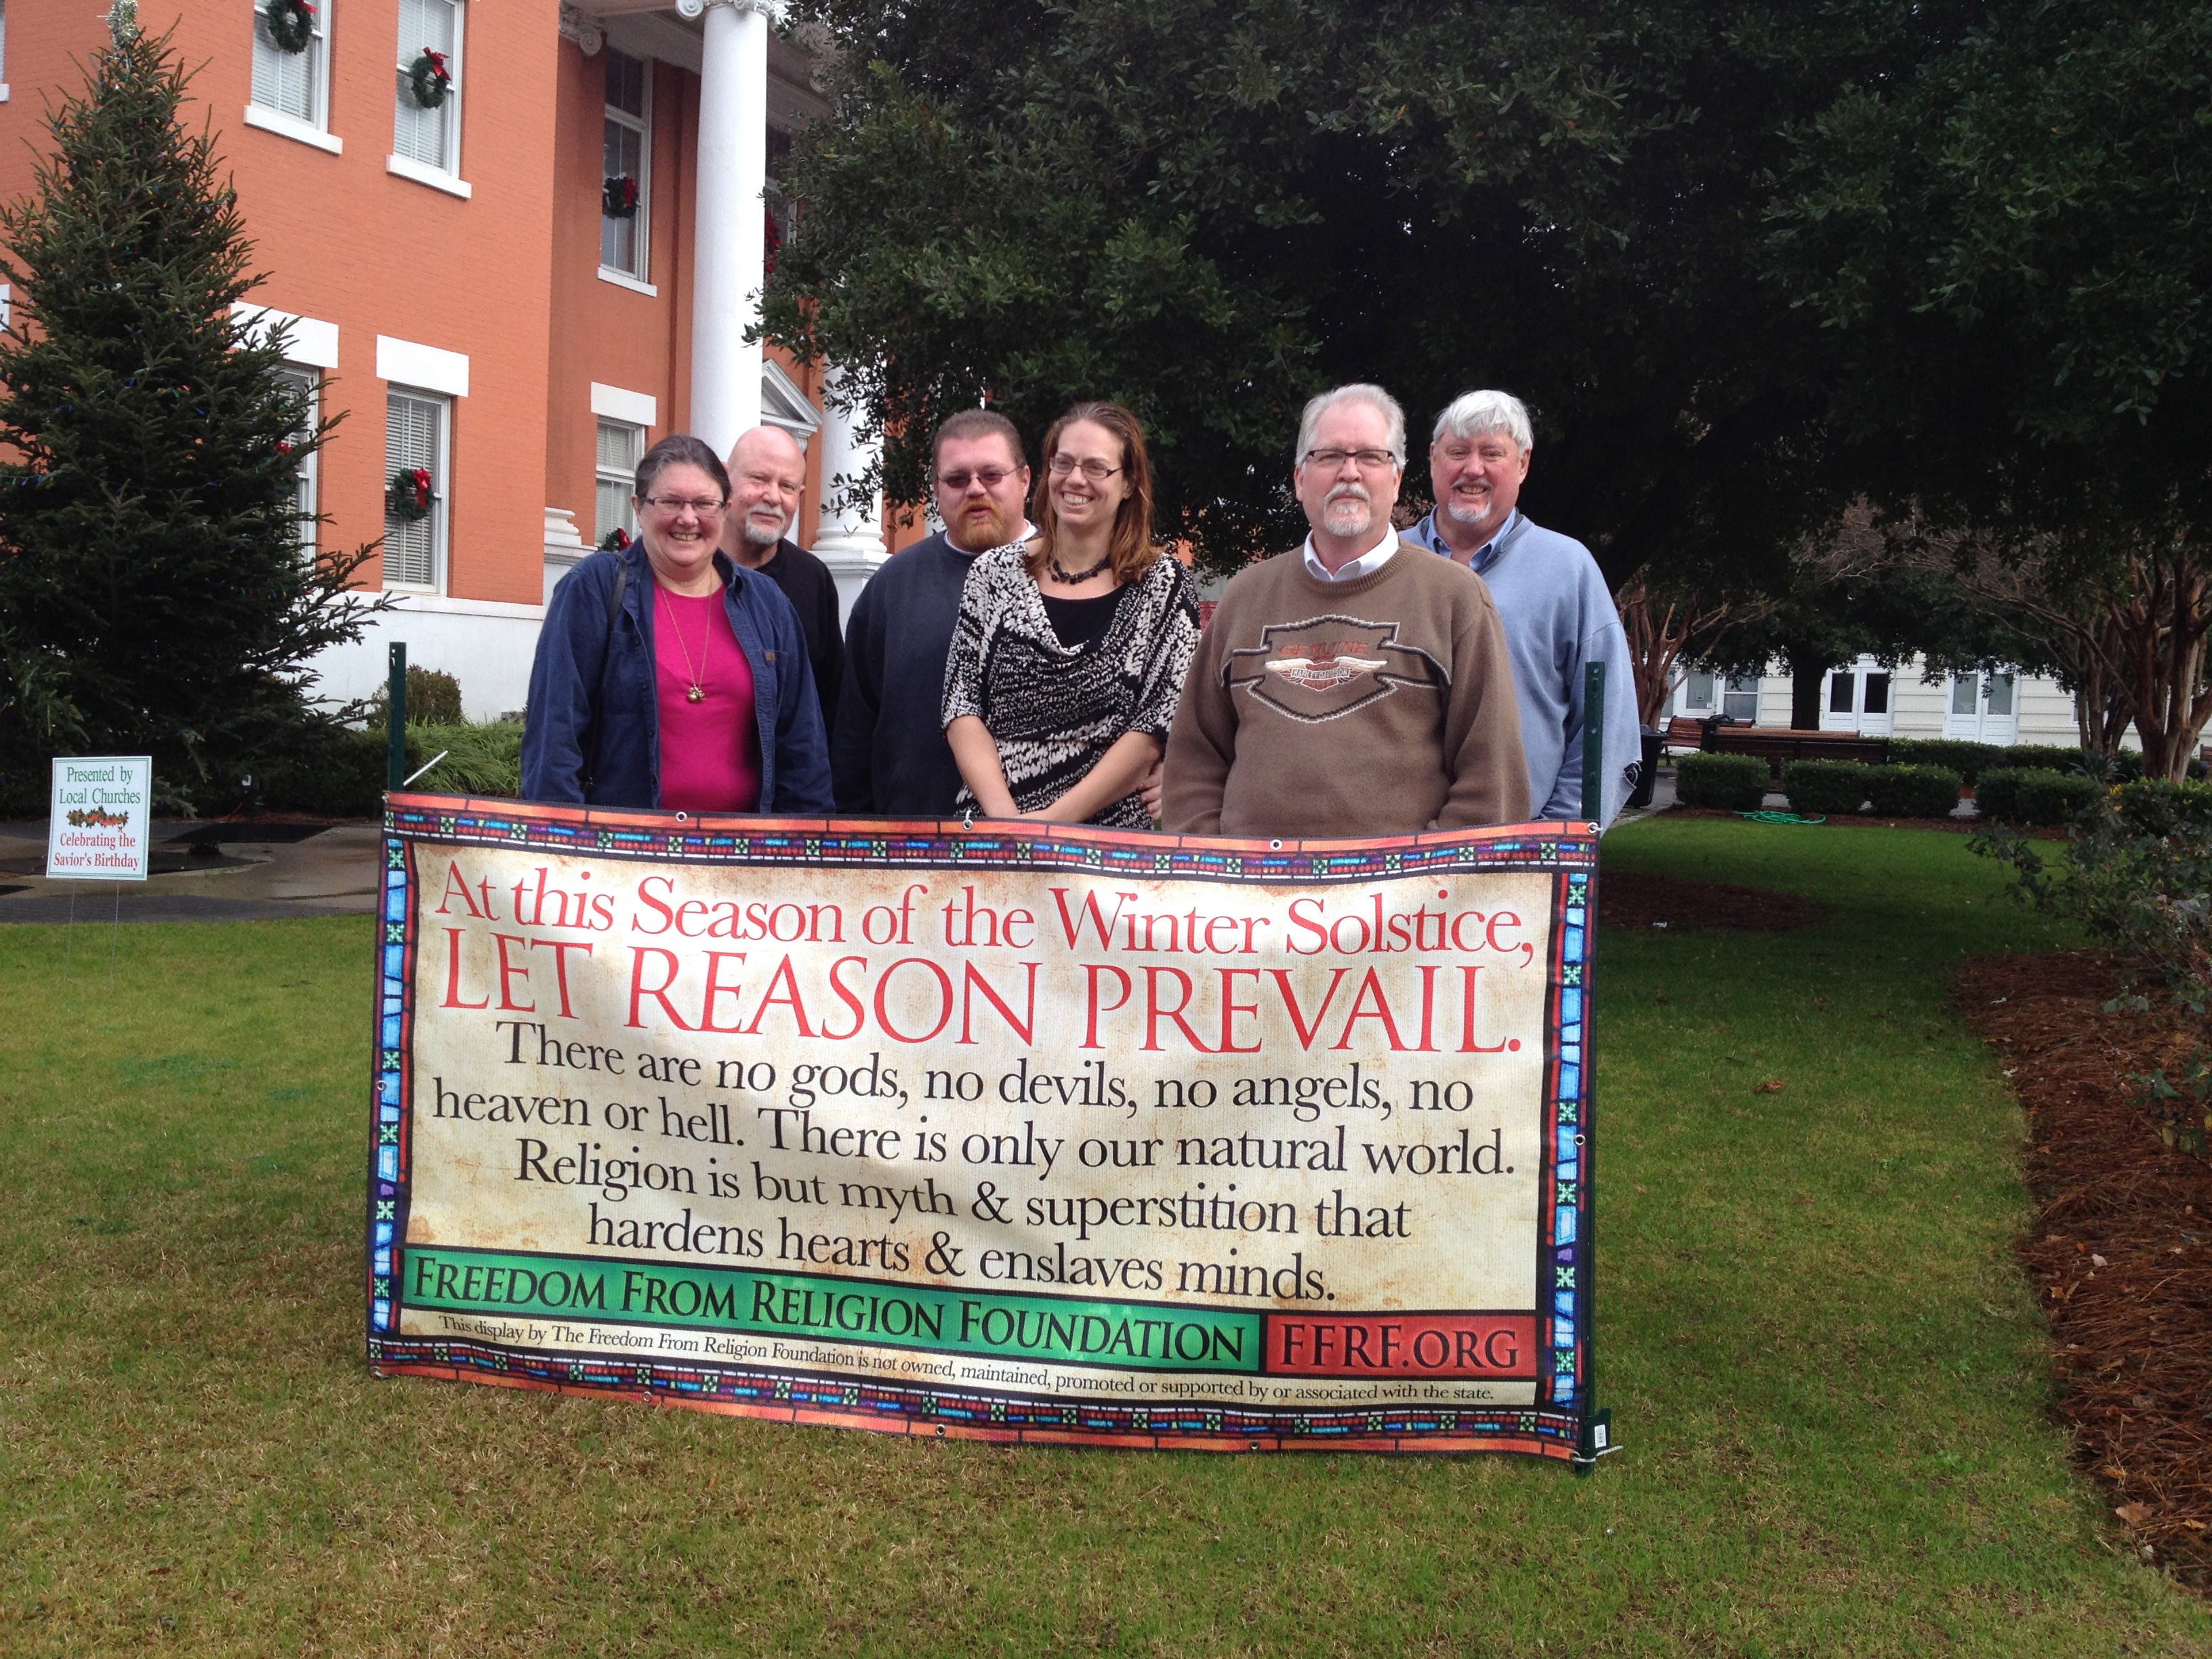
1366	565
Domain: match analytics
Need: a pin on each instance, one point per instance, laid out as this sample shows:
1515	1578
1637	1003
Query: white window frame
449	177
602	474
1975	727
308	471
3	50
316	131
440	518
642	126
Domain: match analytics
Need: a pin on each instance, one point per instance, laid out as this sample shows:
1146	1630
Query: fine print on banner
99	827
1020	1132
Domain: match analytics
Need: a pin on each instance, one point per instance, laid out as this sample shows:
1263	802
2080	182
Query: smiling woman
1068	659
666	675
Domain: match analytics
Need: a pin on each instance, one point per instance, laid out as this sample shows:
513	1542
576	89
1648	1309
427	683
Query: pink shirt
710	758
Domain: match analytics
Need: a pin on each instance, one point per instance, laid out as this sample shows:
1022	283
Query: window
414	428
1700	688
622	237
1877	695
1740	701
294	84
1839	693
429	137
306	384
621	447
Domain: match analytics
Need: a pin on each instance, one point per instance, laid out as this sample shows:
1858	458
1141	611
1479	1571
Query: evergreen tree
154	594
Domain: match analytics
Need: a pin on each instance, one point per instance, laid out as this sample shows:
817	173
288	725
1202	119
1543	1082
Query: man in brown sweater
1345	689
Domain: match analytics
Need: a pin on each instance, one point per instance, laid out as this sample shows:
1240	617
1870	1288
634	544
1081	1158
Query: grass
1824	1369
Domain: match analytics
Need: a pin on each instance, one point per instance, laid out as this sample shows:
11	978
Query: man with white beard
1558	614
1360	688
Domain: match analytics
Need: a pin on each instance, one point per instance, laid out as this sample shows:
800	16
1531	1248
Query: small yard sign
101	819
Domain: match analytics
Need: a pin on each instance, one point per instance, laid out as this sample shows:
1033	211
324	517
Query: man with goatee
888	753
1358	687
767	479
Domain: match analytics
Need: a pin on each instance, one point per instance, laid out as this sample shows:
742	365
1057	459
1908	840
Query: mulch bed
2121	1248
1629	899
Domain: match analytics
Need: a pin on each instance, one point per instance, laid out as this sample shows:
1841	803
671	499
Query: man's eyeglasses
1091	468
990	477
1369	460
704	506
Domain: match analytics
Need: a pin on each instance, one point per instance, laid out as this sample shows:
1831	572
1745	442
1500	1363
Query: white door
1983	707
1858	700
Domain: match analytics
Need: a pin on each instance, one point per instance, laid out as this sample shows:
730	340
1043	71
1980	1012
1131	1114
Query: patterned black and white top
1055	709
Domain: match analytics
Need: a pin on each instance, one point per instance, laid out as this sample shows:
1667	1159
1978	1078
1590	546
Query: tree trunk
1806	685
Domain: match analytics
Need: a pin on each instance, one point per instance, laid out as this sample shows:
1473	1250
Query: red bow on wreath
438	70
420	479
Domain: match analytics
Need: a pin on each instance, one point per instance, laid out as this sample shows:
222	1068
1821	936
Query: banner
1022	1132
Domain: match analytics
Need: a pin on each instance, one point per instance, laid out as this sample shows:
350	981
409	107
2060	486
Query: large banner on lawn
1019	1132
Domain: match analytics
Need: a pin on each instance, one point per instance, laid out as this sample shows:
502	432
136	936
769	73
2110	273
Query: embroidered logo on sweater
1327	666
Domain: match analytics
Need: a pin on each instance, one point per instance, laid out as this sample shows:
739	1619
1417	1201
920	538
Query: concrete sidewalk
330	872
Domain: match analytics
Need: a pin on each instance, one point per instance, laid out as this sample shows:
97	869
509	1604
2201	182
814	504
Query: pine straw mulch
2121	1246
1627	898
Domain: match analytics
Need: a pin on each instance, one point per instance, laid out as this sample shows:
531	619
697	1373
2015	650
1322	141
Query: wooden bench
1776	744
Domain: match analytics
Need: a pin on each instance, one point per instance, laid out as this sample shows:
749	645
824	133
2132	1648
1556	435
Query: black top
888	750
813	591
1081	622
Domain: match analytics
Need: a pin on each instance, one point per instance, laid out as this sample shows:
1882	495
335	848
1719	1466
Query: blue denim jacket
593	715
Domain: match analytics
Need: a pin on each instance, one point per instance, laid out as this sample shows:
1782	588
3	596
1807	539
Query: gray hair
1473	413
681	449
1359	391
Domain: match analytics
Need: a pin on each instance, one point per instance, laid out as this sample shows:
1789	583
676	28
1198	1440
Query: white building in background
1875	700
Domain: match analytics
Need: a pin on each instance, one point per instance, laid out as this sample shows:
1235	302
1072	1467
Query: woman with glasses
1068	658
667	677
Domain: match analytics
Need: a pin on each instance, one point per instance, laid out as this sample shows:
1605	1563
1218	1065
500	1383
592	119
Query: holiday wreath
619	196
428	80
409	496
291	23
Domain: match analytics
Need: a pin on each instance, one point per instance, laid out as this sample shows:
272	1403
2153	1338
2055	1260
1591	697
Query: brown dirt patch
1629	899
2131	1339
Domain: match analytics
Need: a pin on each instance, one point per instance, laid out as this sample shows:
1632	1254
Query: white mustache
1357	492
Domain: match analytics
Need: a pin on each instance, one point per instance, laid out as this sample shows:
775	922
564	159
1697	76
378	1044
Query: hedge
2015	795
1827	788
1913	792
2152	806
1968	759
1729	783
341	773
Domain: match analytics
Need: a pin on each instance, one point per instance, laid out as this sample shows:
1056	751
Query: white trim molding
582	27
623	279
440	605
638	408
427	367
403	166
312	343
285	126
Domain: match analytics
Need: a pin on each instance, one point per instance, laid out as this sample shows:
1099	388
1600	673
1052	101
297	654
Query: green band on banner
579	1289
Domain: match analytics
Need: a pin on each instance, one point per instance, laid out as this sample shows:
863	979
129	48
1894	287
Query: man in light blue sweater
1558	614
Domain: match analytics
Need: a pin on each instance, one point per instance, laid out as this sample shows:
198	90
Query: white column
729	250
851	538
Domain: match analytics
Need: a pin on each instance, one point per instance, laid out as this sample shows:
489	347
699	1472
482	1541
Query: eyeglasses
1370	460
1091	467
990	477
704	506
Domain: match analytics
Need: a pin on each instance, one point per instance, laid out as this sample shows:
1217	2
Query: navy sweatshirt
888	752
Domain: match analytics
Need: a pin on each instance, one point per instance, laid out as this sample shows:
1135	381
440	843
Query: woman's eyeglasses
1091	468
704	506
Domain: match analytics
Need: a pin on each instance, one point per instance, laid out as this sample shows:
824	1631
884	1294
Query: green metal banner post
395	720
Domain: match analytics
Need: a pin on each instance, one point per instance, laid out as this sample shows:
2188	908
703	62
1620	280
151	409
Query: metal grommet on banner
1275	847
967	817
683	817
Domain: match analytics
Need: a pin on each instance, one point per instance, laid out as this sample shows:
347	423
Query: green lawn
1824	1368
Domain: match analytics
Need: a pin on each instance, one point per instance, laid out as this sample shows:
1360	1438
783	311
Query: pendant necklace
1060	573
697	691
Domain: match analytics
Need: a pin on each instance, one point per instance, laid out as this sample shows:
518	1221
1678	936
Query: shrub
433	698
2060	757
1827	788
2152	806
336	773
479	760
1968	759
1913	792
1730	783
2013	794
